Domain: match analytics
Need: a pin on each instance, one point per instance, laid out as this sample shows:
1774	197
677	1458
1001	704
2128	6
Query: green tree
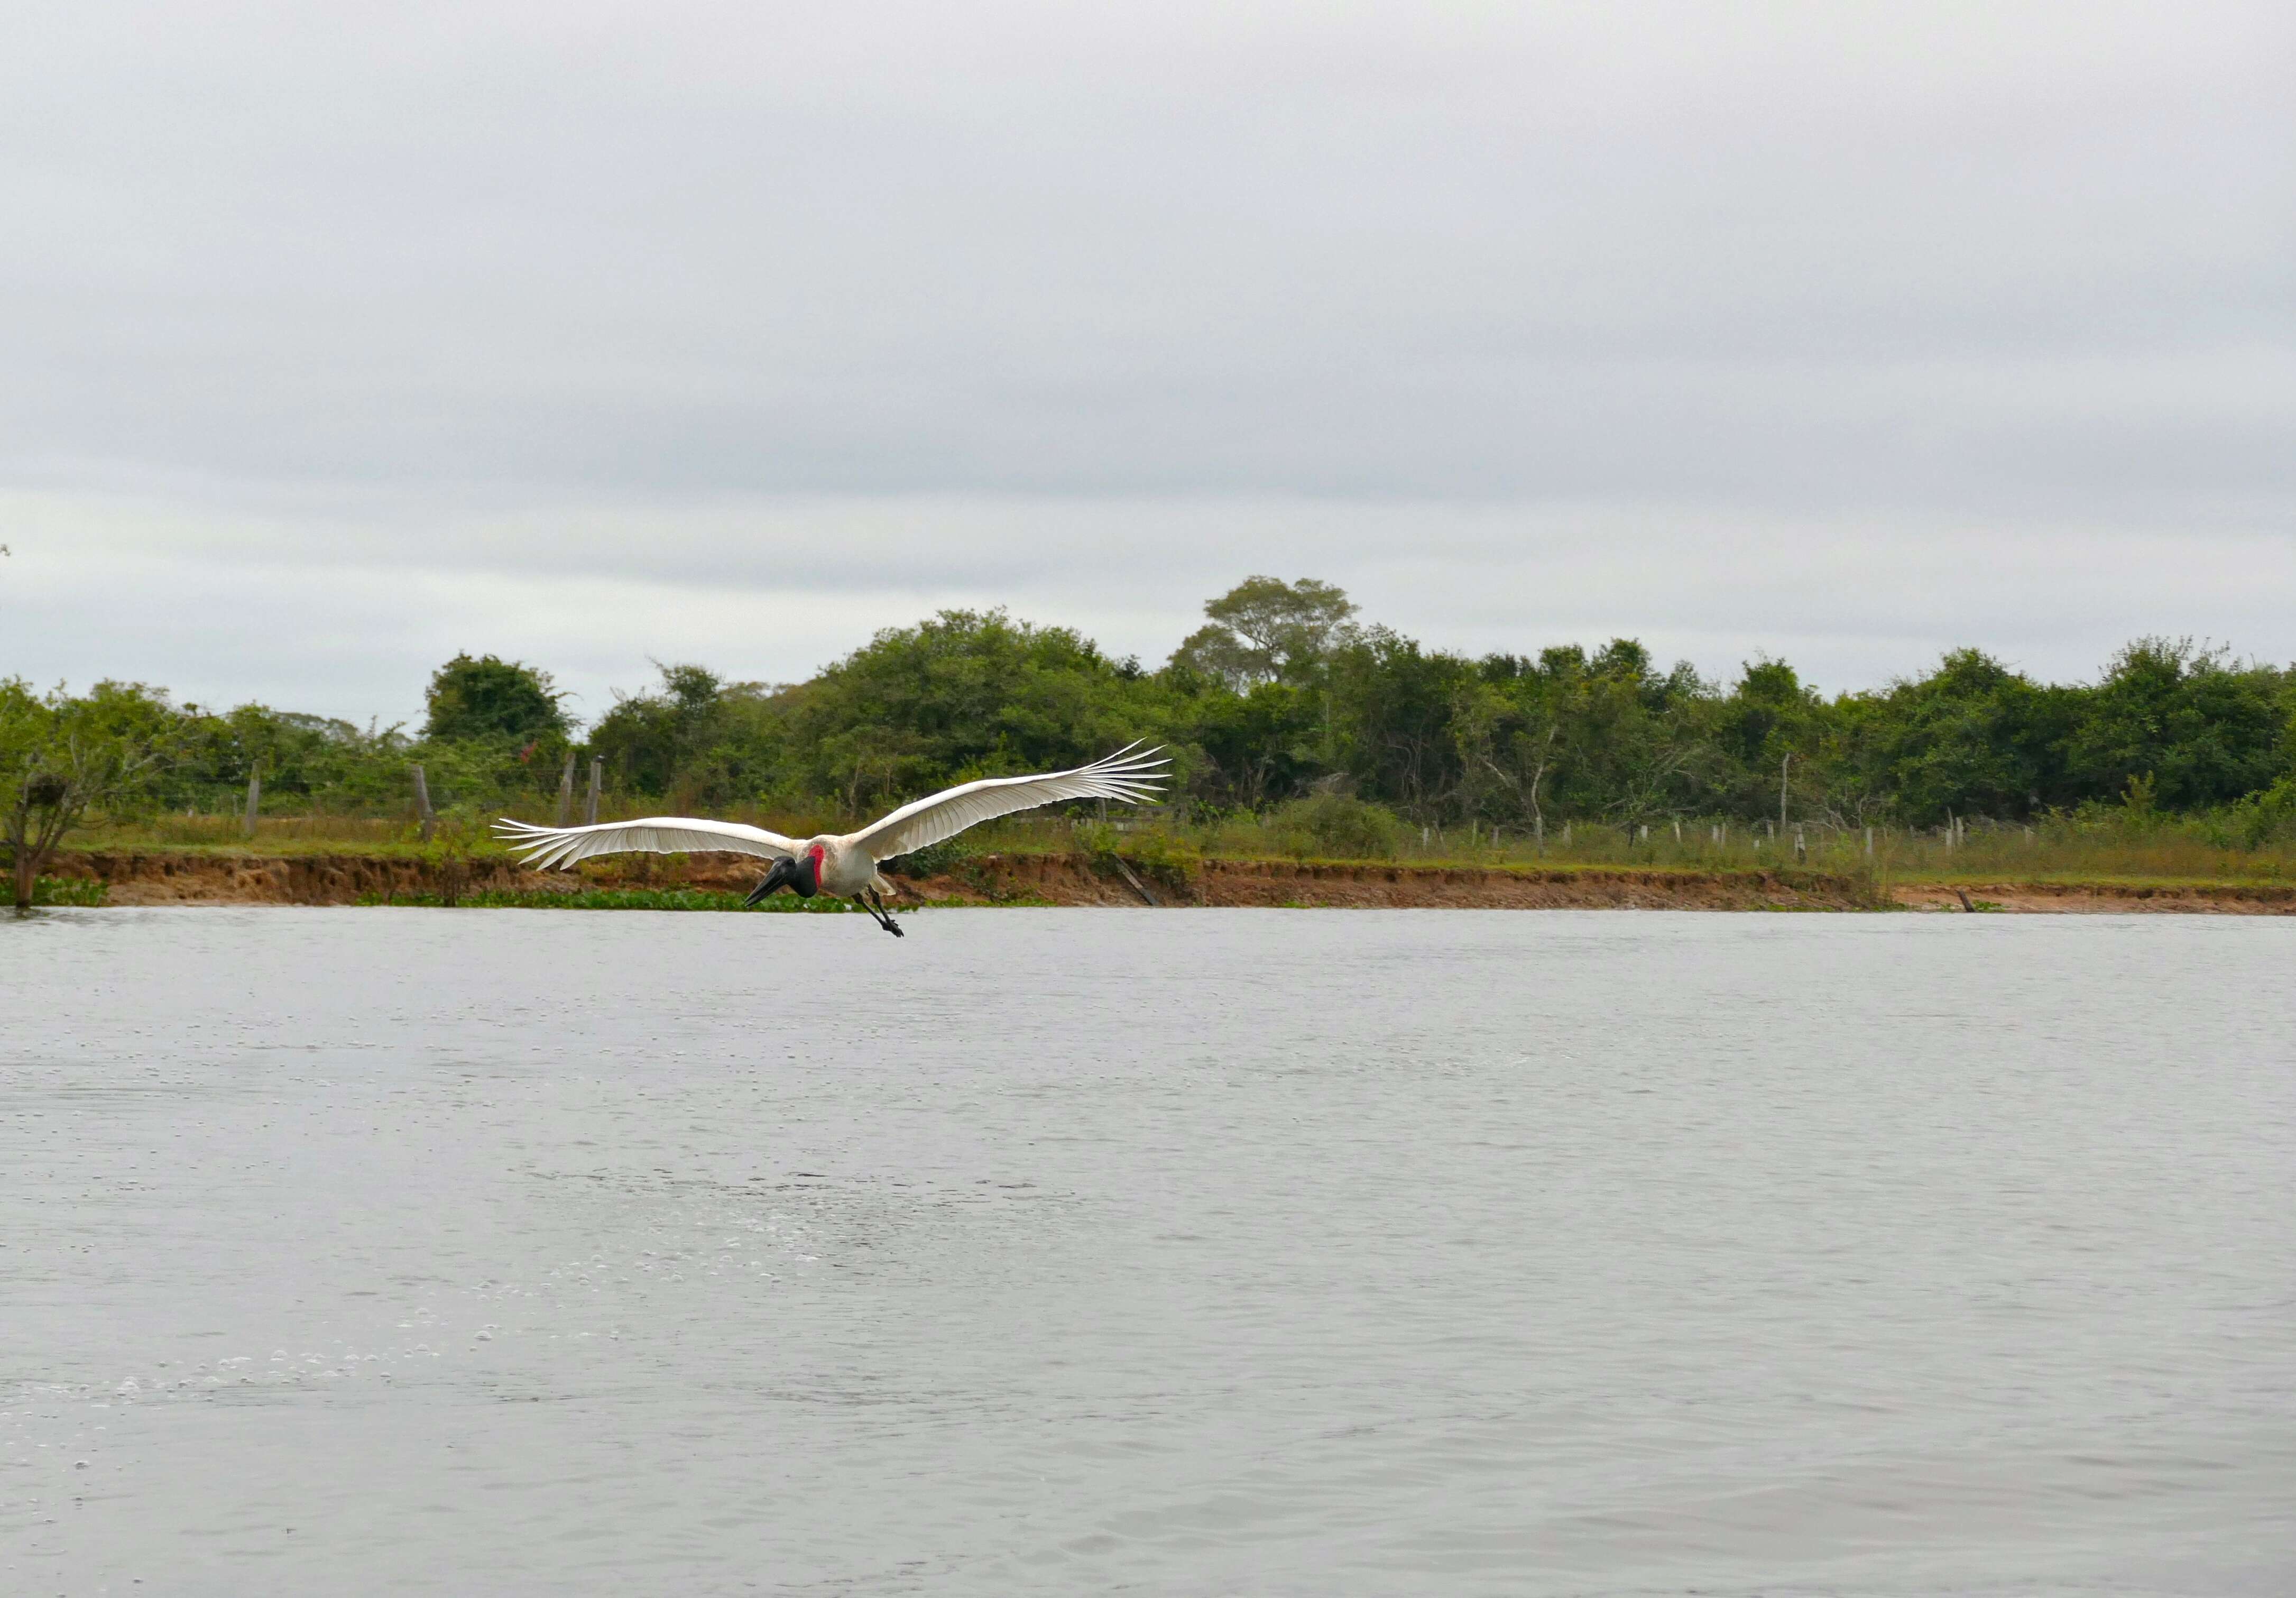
697	740
62	756
1769	722
2203	729
1508	721
1637	741
1972	738
1391	707
967	693
486	698
1517	725
319	760
1264	628
1250	748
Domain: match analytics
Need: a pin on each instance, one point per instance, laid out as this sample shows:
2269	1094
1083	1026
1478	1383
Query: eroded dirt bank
162	876
1069	880
2104	898
168	877
165	878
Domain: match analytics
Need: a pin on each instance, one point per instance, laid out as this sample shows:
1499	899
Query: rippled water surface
1191	1252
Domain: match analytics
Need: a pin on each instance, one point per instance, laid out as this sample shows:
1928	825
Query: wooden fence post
254	797
566	791
423	811
1138	886
597	781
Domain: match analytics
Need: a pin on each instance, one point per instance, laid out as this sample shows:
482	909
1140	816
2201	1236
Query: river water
1168	1252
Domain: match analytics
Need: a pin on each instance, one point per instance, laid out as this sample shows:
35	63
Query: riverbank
129	877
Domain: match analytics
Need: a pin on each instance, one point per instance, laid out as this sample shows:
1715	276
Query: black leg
884	913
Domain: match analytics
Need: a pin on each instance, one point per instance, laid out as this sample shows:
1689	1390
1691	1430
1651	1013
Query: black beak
783	874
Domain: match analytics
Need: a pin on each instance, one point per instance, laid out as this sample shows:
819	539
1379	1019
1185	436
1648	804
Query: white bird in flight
846	864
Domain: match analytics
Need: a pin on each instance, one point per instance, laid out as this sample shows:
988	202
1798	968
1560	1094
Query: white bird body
846	867
845	863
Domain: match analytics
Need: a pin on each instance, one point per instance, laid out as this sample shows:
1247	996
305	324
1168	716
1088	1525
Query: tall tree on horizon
487	697
1265	629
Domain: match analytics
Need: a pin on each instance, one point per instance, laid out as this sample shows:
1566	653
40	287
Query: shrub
1337	827
2265	817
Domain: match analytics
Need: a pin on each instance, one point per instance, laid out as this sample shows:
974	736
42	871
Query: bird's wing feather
553	846
1130	775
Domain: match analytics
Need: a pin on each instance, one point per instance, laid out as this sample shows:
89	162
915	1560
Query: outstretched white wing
554	846
1126	775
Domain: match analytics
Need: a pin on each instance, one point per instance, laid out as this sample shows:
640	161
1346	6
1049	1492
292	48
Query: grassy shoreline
2058	865
2049	854
1133	872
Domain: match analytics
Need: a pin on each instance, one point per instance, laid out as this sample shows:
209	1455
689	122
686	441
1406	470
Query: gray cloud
736	330
349	615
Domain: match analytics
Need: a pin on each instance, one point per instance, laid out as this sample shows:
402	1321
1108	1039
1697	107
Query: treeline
1285	695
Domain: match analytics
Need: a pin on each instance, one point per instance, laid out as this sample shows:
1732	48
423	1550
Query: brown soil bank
2105	898
1070	880
164	876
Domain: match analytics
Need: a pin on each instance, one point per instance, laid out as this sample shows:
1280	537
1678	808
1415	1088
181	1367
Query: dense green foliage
1334	826
1343	735
490	698
62	756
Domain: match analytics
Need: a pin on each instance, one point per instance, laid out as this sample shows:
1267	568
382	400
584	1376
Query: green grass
2161	852
82	891
2053	852
274	834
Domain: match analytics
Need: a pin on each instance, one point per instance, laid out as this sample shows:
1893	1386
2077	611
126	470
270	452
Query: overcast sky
335	338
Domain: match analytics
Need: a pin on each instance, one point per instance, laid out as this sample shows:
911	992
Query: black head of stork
801	874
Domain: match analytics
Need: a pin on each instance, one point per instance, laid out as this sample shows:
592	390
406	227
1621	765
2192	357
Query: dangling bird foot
878	912
885	914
